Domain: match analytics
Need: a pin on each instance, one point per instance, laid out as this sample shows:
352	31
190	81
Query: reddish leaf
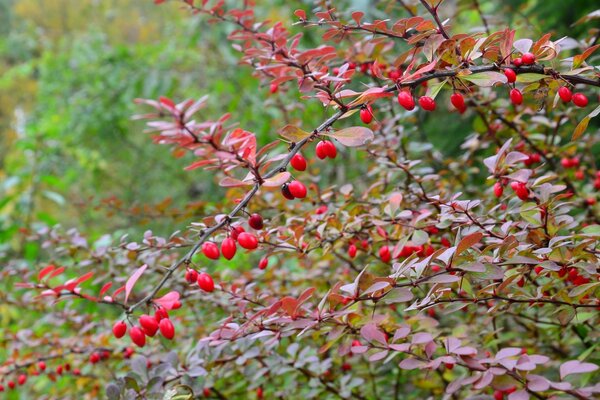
468	242
45	271
168	300
105	288
132	280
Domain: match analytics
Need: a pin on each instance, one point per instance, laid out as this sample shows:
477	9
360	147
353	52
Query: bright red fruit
297	189
321	149
235	231
498	395
119	329
330	149
210	250
517	62
521	282
161	313
366	114
255	221
263	263
538	270
166	328
94	358
579	175
259	393
228	247
352	251
285	191
191	275
384	254
248	241
76	372
580	100
42	366
205	281
206	392
528	58
273	88
565	94
427	103
458	101
137	336
520	189
22	379
59	370
298	162
511	75
516	97
498	189
149	325
406	100
11	384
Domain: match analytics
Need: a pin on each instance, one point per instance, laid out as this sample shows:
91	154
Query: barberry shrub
424	276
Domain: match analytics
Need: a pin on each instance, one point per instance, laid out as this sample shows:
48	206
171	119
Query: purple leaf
576	367
371	333
508	352
519	395
411	363
537	383
133	279
168	300
353	136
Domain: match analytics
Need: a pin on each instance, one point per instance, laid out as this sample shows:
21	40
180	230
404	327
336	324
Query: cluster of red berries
499	394
579	99
149	326
570	162
228	247
60	369
204	280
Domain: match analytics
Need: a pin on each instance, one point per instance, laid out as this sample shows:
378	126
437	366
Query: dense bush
435	235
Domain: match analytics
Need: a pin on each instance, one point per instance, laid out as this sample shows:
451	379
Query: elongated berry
210	250
427	103
352	251
273	88
285	191
228	248
528	58
94	358
42	365
384	254
236	230
137	336
167	329
119	329
255	221
161	313
580	100
298	162
191	275
248	241
263	263
498	189
330	149
366	114
517	62
458	101
565	94
516	97
205	282
321	150
511	75
21	379
149	325
297	189
406	100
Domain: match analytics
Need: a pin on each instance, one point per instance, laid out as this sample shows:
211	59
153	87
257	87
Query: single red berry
356	343
273	88
427	103
263	263
580	100
191	275
94	358
149	325
445	242
538	270
521	282
11	384
248	241
161	313
137	336
1	388
448	366
22	379
210	250
384	254
119	329
366	114
516	97
76	372
498	395
330	149
498	189
285	191
206	392
297	189
352	251
205	281
565	94
298	162
511	75
42	366
580	175
346	367
128	352
590	201
228	247
59	370
167	329
259	392
321	149
528	58
517	62
458	101
255	221
406	100
435	268
394	74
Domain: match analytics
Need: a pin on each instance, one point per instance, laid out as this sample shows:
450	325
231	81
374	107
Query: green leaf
583	124
293	133
485	79
529	77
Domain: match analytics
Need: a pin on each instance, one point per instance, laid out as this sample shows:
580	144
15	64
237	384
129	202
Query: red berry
119	329
458	101
228	247
516	97
297	189
42	366
435	268
321	149
137	336
191	276
206	392
235	231
427	103
511	75
528	58
161	313
406	100
11	384
76	372
498	395
205	281
517	62
248	241
565	94
273	88
285	191
449	366
579	175
352	251
590	201
210	250
384	254
94	358
521	282
166	328
259	393
149	325
255	221
394	74
263	263
298	162
1	388
356	343
22	379
59	370
520	190
538	270
330	149
580	100
366	114
498	189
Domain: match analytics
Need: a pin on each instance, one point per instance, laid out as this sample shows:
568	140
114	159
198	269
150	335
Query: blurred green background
69	71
